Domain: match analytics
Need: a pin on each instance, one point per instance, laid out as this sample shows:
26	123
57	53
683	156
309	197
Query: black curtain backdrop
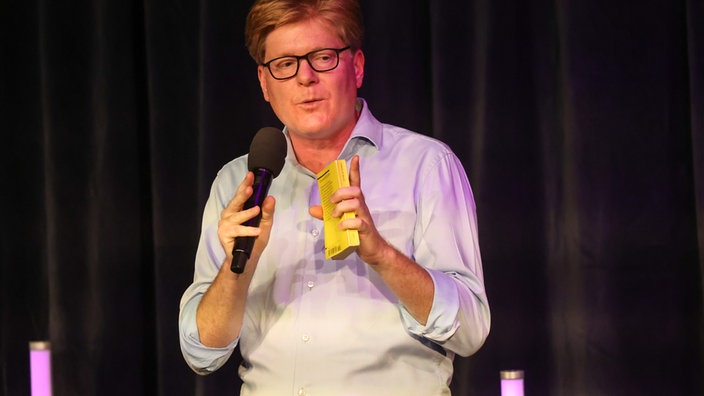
580	124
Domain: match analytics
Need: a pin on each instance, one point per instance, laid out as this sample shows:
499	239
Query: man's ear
359	67
261	74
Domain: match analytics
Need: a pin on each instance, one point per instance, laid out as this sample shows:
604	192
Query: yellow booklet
338	243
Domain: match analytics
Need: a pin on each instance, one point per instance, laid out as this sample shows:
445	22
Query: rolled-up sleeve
442	320
202	359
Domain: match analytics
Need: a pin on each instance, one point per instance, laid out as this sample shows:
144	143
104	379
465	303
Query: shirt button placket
315	234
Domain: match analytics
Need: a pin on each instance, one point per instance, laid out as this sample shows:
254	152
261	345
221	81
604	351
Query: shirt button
315	232
305	338
310	284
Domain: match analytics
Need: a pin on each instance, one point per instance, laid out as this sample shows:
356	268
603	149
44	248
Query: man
389	318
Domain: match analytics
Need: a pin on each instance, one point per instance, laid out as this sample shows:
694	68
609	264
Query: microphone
267	154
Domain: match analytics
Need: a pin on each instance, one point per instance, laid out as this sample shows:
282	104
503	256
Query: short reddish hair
266	15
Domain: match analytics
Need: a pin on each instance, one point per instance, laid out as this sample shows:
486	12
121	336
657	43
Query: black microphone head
268	150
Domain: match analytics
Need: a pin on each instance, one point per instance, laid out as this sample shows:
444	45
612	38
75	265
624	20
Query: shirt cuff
202	359
442	321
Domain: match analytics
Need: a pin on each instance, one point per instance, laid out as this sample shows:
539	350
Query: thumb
268	206
355	179
316	211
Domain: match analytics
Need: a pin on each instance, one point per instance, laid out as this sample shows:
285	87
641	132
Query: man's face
313	105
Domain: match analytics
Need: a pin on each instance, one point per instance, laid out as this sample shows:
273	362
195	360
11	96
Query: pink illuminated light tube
40	367
512	383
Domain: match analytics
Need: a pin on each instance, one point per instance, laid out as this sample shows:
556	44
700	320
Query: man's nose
306	74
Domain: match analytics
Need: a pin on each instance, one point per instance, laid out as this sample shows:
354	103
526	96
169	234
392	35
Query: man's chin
312	129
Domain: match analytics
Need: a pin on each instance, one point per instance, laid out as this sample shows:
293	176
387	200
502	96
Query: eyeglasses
321	60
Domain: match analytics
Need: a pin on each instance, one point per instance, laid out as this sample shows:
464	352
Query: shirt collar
367	127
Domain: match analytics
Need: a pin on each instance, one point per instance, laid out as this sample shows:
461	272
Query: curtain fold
580	124
695	56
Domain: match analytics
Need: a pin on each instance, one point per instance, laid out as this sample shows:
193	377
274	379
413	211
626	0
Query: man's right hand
234	216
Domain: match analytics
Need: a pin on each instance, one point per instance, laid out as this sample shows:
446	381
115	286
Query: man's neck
316	154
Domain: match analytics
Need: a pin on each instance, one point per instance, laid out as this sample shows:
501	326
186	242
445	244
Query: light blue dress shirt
321	327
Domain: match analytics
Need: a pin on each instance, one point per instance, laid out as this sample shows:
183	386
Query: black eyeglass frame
306	57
